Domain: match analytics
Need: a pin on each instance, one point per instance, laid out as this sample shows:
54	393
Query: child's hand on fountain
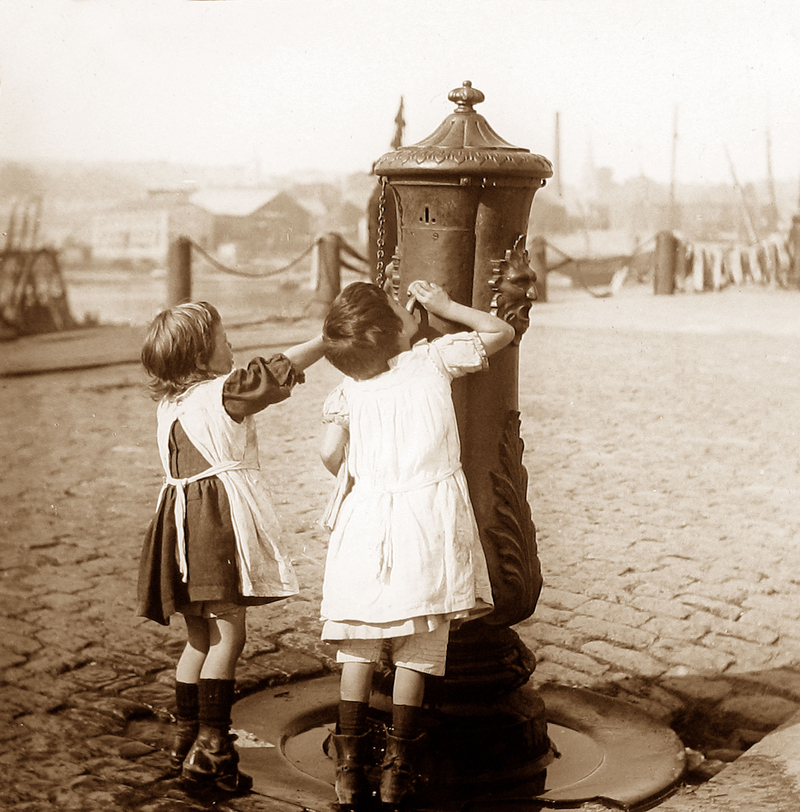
434	298
493	332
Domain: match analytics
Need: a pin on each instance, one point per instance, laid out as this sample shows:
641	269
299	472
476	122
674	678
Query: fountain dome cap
464	144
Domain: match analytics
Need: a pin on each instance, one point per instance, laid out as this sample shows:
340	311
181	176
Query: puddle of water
580	756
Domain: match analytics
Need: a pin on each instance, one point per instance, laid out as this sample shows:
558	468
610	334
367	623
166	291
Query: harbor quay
661	447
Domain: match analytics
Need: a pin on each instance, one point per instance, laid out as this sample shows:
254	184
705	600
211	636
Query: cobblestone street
661	440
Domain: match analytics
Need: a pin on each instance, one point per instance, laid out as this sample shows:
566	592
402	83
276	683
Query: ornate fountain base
598	749
485	724
475	746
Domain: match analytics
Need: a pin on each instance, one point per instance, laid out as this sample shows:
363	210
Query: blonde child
405	558
213	547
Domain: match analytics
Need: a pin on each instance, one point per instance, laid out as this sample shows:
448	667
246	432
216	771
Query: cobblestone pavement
662	449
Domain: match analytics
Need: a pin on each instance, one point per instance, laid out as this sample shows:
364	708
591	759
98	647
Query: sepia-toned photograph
399	405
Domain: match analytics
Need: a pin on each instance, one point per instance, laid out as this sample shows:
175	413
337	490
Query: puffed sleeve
460	353
260	384
336	409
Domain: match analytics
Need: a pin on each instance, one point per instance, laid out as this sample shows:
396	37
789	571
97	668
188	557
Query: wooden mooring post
179	273
328	272
664	271
793	276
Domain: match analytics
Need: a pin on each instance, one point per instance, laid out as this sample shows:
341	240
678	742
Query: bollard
329	272
179	275
664	271
793	248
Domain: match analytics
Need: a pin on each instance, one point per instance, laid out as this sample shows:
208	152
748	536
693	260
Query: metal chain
236	272
380	265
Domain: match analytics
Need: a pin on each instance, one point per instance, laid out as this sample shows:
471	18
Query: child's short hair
178	340
361	331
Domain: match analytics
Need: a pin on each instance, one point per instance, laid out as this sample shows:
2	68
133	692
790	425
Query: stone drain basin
606	751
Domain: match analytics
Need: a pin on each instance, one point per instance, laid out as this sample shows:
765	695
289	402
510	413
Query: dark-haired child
405	558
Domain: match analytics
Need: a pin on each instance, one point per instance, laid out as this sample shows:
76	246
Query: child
404	558
212	548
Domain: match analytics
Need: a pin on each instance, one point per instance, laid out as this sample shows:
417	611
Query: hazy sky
315	84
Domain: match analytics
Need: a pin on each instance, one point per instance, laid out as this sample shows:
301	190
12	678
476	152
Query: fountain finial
466	97
464	144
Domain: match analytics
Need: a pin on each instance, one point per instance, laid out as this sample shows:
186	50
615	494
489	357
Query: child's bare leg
356	682
213	756
227	636
194	653
187	677
409	687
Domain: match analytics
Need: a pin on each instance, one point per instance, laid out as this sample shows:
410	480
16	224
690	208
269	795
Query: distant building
140	231
255	222
237	224
337	207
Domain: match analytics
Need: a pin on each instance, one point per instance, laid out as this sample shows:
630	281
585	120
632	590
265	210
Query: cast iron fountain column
463	198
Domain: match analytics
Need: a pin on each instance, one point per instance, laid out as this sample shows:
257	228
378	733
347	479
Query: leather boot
352	787
182	743
400	770
187	709
213	760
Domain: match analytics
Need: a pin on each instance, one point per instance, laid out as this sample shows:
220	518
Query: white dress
404	553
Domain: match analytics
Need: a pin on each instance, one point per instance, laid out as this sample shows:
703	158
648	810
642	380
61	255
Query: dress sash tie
385	551
406	487
180	503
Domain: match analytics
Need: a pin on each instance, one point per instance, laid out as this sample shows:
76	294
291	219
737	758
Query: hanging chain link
380	277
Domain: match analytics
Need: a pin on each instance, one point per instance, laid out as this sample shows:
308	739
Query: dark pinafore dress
214	536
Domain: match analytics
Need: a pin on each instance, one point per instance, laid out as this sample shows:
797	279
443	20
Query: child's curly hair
361	331
178	340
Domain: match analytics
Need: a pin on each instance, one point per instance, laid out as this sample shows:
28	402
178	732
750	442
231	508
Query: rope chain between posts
380	265
235	272
567	259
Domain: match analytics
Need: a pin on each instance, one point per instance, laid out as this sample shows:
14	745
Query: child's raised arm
306	354
494	333
333	445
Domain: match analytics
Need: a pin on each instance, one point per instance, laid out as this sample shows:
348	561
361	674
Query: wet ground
661	442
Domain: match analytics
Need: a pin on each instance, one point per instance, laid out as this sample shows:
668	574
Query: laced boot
213	760
182	743
187	706
400	774
352	788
